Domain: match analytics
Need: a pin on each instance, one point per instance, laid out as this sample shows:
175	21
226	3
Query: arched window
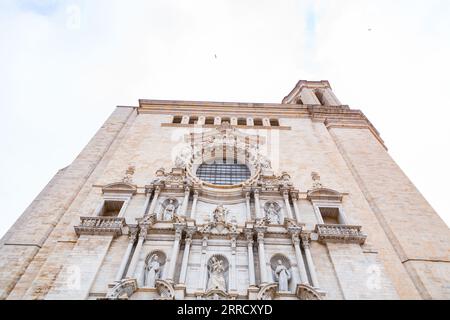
221	173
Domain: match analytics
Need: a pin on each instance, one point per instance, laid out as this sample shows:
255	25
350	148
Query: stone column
203	267
154	201
174	254
247	206
309	261
288	205
126	257
262	257
294	196
233	282
137	251
187	249
147	201
185	202
251	262
194	206
257	205
299	257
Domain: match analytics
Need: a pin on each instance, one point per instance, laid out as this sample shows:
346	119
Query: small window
209	120
193	120
330	215
274	123
111	208
226	120
177	119
257	122
242	122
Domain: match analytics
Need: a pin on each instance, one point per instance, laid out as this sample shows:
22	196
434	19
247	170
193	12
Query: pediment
120	187
325	194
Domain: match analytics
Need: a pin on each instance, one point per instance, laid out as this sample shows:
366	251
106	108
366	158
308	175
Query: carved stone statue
272	214
217	275
153	270
219	214
282	276
169	211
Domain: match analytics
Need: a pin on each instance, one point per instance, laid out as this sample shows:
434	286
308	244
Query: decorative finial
316	180
128	178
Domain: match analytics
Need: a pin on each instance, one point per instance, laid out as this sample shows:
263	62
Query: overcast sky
64	66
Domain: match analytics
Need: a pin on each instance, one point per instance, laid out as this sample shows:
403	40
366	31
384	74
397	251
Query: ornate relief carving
165	290
267	292
305	292
272	210
219	225
123	290
169	208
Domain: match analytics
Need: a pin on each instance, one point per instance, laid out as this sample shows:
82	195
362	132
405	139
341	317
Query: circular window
223	173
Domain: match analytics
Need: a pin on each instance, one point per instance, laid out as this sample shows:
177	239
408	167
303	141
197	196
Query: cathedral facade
207	200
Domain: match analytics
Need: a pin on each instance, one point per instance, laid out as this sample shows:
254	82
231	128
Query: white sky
64	65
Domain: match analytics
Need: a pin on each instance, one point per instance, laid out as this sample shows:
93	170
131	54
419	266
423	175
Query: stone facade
323	212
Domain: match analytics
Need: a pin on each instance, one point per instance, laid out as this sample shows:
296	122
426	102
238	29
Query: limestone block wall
41	234
418	234
80	269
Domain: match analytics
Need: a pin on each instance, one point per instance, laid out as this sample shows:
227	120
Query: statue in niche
217	275
272	213
169	211
219	214
153	271
282	276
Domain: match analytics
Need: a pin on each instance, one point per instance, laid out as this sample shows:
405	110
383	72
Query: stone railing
340	233
100	226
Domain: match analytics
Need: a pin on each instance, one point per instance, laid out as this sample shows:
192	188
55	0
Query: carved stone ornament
169	208
316	180
267	292
100	226
306	292
220	225
128	178
165	290
272	211
123	290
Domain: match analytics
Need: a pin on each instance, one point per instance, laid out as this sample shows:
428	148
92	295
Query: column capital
306	240
249	235
285	193
196	193
295	194
133	234
143	230
187	190
260	237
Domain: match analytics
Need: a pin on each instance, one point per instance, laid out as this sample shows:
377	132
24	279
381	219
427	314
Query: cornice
332	116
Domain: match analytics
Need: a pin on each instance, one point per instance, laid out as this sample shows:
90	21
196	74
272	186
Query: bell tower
312	93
